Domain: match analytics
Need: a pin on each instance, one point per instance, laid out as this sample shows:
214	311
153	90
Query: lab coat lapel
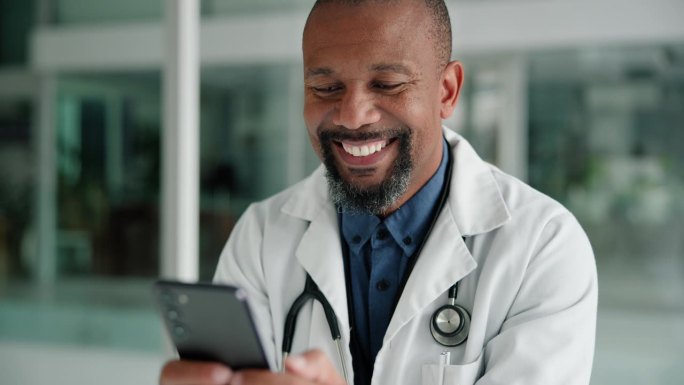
477	205
319	251
320	254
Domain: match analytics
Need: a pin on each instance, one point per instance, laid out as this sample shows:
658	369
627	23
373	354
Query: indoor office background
582	99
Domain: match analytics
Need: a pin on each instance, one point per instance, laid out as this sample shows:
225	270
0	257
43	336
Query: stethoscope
449	325
311	291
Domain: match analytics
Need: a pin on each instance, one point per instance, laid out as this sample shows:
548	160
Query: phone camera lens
179	331
173	314
167	297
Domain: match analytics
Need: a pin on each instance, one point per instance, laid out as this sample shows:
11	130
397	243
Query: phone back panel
210	323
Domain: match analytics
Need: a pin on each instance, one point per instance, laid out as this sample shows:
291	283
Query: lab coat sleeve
241	265
549	332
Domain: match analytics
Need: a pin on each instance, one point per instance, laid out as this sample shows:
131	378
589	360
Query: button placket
382	234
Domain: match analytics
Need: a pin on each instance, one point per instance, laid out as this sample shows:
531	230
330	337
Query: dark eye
326	89
387	86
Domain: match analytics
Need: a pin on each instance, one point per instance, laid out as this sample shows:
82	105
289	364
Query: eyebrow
399	68
322	71
382	67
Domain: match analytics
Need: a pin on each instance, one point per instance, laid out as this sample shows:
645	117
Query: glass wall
17	185
108	133
492	109
606	134
107	167
253	144
16	20
106	205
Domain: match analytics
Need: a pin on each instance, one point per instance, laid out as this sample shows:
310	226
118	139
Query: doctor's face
375	95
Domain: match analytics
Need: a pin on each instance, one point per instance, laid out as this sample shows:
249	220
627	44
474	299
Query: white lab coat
526	268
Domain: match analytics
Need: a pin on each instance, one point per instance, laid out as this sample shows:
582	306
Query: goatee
377	199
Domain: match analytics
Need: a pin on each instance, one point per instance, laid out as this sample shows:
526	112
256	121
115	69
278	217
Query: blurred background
582	99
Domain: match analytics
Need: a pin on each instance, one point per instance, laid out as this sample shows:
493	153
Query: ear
452	79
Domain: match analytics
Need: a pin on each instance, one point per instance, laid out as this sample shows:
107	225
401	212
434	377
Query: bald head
439	28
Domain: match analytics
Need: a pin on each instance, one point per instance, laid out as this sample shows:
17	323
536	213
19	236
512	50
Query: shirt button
407	241
383	285
356	239
382	234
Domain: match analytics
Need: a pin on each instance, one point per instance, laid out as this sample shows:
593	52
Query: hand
180	372
312	367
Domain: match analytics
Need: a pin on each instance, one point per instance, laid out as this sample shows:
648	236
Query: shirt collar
409	224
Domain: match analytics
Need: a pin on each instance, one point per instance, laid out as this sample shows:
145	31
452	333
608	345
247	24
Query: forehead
369	33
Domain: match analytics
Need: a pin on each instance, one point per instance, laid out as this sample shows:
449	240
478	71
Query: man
403	213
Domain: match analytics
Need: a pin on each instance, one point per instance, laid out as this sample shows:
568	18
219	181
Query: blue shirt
378	255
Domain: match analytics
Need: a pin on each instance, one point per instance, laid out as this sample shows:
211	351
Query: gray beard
373	200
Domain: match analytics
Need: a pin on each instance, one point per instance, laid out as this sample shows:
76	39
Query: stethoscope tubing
311	291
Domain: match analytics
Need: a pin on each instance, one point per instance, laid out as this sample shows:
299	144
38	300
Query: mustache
339	134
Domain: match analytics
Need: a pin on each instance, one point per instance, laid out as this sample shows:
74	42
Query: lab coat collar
474	206
477	205
476	202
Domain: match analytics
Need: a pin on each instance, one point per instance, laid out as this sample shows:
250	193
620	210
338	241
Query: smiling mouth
359	149
362	157
365	149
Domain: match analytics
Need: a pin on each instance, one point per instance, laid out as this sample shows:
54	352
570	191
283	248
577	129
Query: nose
356	108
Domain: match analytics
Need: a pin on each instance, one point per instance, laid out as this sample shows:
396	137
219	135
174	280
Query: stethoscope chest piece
450	324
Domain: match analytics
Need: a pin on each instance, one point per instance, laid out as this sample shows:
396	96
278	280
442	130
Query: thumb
314	366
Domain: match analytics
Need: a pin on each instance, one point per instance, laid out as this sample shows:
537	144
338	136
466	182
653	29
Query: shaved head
439	28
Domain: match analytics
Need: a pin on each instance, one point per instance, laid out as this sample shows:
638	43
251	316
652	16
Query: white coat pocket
465	374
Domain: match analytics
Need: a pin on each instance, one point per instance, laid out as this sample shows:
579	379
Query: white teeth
365	150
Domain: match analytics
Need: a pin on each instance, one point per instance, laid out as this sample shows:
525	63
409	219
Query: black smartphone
210	323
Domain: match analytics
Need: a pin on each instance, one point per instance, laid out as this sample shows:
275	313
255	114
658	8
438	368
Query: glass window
107	175
108	129
606	139
16	187
16	21
253	136
478	114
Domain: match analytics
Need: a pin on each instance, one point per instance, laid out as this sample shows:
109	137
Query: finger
181	372
264	377
314	365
